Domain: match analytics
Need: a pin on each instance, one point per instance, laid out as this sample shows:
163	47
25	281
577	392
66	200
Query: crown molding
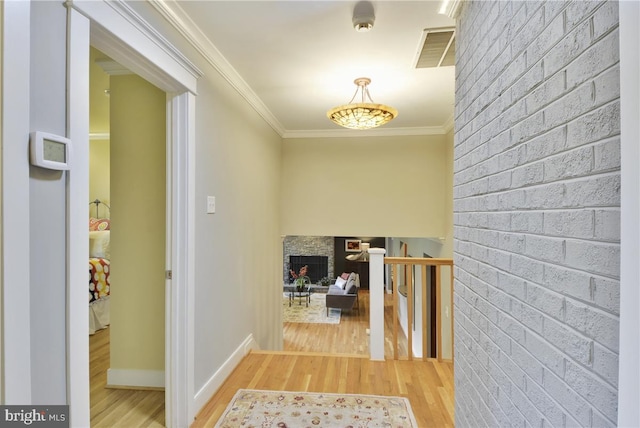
451	8
377	132
124	10
447	126
180	21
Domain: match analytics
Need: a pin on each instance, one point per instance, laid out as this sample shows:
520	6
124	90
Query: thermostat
50	151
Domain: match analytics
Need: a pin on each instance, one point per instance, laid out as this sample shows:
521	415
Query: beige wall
99	176
137	224
238	273
384	186
366	186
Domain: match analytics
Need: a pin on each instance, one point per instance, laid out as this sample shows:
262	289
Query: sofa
343	293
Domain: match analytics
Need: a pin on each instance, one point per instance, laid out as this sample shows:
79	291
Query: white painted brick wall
537	214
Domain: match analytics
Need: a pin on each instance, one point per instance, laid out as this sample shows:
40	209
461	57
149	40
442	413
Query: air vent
437	48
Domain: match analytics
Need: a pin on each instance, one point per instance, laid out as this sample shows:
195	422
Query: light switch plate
211	204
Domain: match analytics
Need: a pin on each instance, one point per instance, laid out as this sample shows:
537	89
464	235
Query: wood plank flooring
348	337
335	358
316	357
427	384
124	408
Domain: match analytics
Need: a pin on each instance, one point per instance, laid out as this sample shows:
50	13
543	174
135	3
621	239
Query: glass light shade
362	115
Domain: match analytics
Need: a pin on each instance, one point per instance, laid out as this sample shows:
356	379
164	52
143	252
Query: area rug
281	409
316	312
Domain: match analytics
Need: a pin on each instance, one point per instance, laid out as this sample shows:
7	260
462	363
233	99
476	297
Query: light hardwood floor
427	384
348	337
315	357
334	358
126	408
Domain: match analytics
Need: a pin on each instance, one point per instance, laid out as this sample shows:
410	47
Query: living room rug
316	312
282	409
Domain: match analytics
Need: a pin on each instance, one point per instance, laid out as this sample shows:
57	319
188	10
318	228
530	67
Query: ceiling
297	59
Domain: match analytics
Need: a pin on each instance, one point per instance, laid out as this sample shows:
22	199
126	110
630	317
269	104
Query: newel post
376	303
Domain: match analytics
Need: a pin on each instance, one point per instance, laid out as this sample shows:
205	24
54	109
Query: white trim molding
211	386
16	315
375	132
629	366
135	378
123	35
178	73
182	23
448	124
78	387
174	14
451	8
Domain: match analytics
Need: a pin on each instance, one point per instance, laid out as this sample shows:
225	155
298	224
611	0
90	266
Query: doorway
111	28
128	175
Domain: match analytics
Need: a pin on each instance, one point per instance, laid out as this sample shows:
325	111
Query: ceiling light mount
363	17
364	114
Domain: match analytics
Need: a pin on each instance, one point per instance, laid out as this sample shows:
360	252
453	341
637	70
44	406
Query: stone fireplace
317	252
318	266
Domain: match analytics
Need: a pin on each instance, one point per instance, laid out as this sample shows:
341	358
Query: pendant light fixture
362	115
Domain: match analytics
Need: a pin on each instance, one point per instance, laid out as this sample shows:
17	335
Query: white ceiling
300	58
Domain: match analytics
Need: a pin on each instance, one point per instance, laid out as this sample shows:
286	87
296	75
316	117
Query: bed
99	274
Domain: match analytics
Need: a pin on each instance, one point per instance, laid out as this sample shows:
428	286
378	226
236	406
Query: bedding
99	280
99	294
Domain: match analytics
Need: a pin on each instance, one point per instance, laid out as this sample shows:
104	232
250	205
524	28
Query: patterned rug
281	409
315	313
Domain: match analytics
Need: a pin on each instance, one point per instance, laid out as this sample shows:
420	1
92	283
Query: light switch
211	204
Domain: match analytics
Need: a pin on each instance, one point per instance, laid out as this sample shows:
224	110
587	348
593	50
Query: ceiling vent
437	48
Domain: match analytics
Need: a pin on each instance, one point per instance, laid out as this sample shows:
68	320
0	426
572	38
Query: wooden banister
407	263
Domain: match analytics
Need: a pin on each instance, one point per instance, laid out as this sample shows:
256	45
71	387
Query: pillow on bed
99	244
99	224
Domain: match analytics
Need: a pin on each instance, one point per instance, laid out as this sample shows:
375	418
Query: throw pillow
99	224
99	244
341	282
345	275
351	282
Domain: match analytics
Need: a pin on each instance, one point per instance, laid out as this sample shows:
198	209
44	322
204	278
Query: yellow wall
137	224
365	186
99	176
1	210
98	100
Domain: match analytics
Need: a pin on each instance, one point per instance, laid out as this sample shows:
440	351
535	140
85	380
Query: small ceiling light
363	27
363	17
362	115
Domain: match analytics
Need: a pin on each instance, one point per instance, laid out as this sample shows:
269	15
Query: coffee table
305	294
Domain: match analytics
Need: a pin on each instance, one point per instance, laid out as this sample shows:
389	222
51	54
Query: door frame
118	31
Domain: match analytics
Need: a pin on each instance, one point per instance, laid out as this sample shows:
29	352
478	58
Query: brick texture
537	213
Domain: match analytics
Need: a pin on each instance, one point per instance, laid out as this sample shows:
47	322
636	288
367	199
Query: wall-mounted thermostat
50	151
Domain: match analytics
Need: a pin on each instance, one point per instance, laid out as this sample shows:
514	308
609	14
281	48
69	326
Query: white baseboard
211	386
135	378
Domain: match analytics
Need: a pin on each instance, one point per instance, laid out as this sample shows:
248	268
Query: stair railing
406	266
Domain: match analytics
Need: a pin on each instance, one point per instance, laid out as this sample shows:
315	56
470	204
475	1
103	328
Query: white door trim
179	342
629	368
16	316
125	37
77	191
